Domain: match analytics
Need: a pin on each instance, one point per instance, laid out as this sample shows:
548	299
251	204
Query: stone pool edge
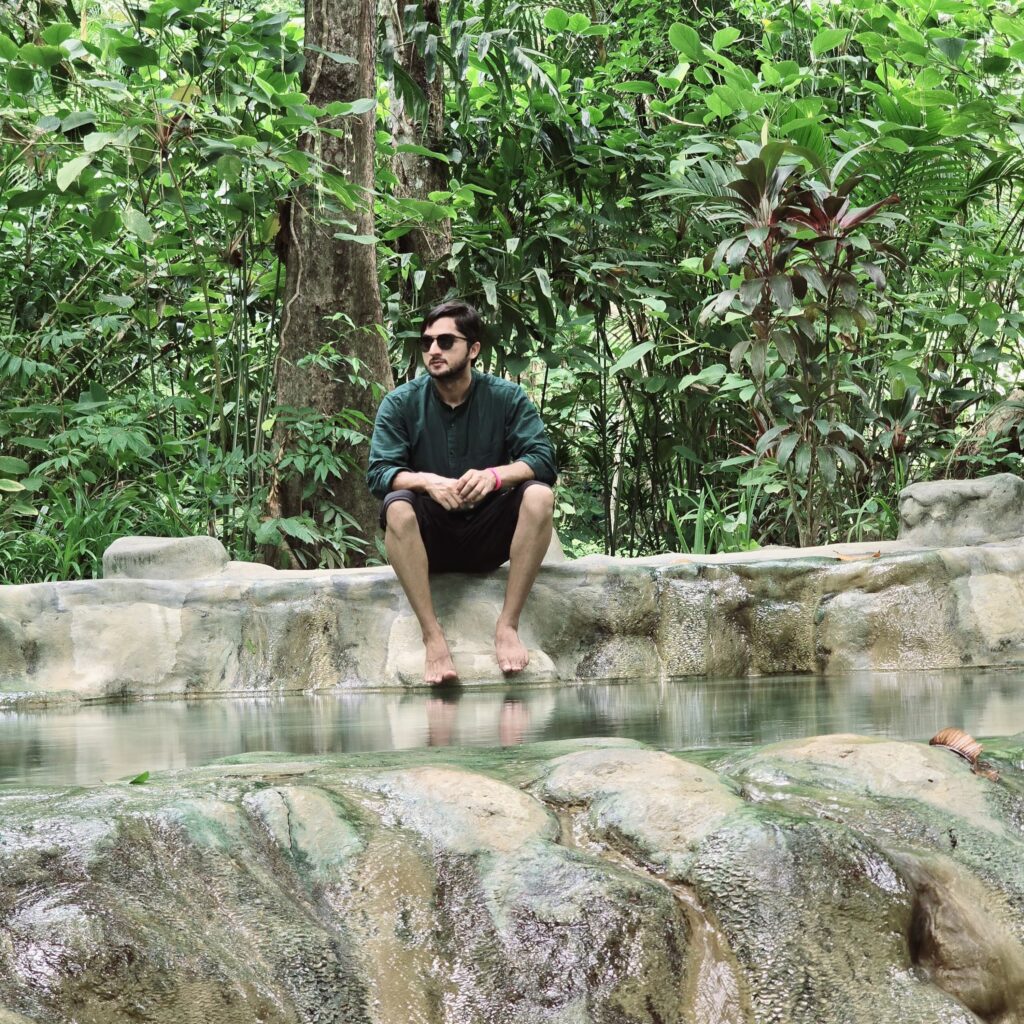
248	630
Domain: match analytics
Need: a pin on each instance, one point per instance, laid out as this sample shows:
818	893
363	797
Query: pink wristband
497	479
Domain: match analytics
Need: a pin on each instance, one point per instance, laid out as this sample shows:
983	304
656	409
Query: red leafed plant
803	273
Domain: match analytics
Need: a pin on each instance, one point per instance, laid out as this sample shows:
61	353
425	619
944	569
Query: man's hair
466	318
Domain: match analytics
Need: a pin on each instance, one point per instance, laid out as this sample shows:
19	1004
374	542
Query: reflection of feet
512	656
440	722
513	723
439	667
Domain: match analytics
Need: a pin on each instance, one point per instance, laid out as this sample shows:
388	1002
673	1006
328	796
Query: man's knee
400	517
538	501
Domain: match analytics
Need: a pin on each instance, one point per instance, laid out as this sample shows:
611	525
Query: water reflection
90	744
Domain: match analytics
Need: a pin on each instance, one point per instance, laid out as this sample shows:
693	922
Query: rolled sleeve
389	448
528	441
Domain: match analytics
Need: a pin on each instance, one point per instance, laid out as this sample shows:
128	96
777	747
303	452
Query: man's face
447	365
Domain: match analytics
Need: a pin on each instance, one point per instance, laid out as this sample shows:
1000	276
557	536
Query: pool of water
91	744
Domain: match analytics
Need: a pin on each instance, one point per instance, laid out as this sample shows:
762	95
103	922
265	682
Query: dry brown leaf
858	558
959	742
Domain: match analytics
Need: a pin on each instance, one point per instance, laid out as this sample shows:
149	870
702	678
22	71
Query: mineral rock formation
815	882
899	605
952	513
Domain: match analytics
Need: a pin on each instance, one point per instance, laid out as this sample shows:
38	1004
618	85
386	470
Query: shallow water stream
94	743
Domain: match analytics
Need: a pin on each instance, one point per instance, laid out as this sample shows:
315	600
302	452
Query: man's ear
474	350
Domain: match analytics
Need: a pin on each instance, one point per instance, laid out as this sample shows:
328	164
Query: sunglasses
444	341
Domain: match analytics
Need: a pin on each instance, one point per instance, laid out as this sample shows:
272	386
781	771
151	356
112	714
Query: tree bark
327	277
419	175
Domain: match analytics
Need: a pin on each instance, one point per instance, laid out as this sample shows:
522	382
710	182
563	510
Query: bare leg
408	557
529	545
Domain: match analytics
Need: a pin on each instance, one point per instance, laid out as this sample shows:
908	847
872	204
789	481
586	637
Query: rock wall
238	627
592	619
829	881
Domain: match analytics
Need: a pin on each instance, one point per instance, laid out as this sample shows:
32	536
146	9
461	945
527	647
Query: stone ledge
829	611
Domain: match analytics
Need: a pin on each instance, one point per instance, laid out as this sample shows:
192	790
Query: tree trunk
332	297
420	124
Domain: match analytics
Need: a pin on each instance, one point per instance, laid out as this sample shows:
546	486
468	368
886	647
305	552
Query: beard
449	372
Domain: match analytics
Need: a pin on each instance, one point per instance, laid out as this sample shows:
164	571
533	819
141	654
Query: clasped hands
460	495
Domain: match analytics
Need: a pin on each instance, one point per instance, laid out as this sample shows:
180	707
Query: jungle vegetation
758	262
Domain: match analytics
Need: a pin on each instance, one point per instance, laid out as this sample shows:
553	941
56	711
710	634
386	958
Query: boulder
952	513
164	558
835	881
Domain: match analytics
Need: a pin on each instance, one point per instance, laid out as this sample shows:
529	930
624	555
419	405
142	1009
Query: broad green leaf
139	780
138	224
104	224
409	147
363	106
717	105
646	88
10	486
297	161
230	167
69	173
543	280
20	80
136	56
15	467
95	141
76	119
42	56
724	38
1009	26
56	33
654	304
951	47
26	200
8	48
491	293
995	64
686	41
556	20
828	39
634	355
579	23
338	58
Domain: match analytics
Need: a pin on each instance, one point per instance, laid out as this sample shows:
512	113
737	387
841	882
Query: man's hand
445	491
474	485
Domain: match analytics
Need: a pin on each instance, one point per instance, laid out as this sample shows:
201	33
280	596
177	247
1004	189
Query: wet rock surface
826	611
175	617
816	881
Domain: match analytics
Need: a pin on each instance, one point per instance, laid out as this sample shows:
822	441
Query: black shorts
475	541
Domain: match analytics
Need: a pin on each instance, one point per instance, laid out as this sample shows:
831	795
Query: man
465	470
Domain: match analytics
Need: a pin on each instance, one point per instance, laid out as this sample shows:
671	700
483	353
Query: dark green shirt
496	425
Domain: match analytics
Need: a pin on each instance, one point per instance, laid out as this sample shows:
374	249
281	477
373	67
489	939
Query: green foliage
147	154
144	165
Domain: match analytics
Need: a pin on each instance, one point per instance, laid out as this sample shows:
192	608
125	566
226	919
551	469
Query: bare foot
512	656
439	667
